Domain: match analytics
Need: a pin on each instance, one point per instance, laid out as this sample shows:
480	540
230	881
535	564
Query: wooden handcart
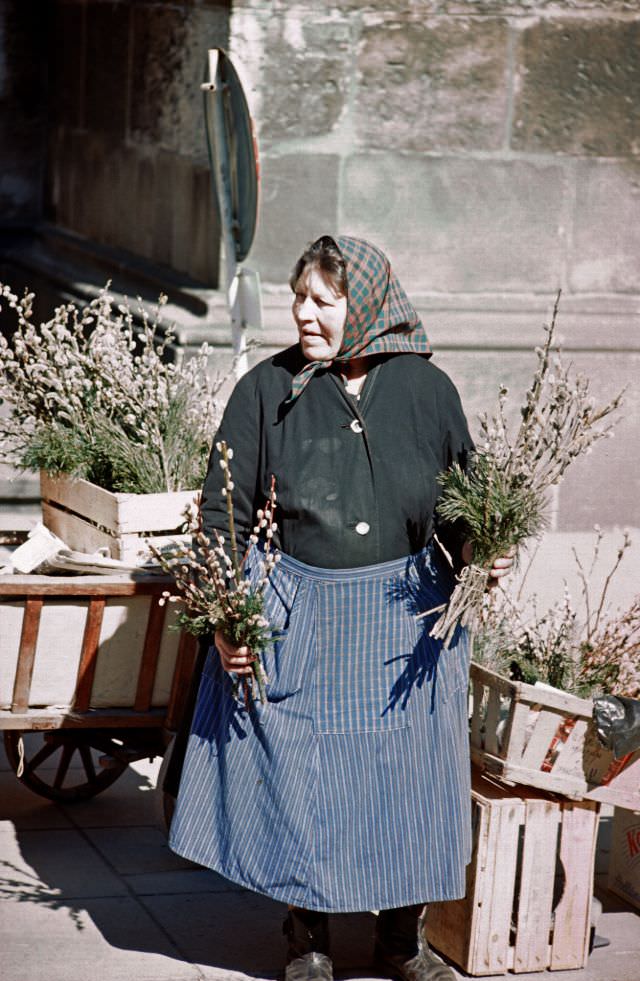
92	677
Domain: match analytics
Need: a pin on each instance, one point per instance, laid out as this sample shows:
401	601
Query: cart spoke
43	754
68	750
87	761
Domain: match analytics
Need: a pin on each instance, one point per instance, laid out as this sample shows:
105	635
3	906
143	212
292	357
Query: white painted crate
540	737
87	517
527	906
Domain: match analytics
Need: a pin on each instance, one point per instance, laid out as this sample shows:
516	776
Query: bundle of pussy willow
211	583
501	498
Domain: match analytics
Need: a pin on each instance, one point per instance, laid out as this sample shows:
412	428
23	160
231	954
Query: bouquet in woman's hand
210	580
501	498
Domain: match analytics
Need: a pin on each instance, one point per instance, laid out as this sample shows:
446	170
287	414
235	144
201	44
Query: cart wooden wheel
64	764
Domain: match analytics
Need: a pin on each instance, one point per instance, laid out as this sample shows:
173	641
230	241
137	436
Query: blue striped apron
349	790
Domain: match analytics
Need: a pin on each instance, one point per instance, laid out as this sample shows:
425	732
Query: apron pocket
363	648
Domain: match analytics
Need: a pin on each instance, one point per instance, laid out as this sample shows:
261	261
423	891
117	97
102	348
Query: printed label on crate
624	868
600	767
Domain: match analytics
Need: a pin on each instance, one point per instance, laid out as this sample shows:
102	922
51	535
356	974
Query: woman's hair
325	255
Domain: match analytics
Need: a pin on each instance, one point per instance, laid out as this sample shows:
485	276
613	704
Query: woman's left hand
501	566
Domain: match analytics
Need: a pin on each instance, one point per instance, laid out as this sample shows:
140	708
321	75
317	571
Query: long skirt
349	789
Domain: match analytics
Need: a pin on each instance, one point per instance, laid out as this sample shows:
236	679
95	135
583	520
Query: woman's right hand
236	659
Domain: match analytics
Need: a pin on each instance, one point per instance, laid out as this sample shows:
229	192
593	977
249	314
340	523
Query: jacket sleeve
240	429
457	447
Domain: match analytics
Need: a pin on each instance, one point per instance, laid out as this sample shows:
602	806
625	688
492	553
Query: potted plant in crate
556	689
119	432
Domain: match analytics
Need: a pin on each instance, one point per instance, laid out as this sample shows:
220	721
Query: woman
350	789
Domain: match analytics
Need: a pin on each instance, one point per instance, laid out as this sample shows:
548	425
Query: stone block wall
127	159
489	145
492	148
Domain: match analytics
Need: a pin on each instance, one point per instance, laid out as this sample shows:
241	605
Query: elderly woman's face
320	314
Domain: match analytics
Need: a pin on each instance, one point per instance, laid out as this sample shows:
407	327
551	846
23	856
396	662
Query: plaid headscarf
380	316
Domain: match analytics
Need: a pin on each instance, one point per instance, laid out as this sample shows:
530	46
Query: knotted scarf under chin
380	317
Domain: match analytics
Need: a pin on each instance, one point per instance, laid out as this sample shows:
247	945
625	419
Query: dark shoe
310	967
401	948
307	933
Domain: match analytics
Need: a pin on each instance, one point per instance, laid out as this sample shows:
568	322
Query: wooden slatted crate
99	647
529	885
526	734
87	517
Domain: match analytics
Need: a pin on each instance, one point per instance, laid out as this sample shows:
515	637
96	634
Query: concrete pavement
91	892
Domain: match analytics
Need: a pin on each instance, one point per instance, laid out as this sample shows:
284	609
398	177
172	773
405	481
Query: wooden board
572	919
523	838
531	952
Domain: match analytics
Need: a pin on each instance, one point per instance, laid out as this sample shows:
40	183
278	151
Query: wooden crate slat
89	654
536	886
515	732
493	680
477	716
76	532
150	655
135	548
569	758
495	906
118	513
492	719
27	653
88	498
570	945
544	729
623	790
153	512
535	694
560	701
569	786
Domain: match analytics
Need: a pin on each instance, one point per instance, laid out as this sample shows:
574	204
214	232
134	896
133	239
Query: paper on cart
40	545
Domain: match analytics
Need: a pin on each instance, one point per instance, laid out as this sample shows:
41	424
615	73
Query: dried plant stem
226	454
464	605
605	589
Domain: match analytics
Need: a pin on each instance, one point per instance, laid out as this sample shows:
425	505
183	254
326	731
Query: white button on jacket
362	528
356	426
